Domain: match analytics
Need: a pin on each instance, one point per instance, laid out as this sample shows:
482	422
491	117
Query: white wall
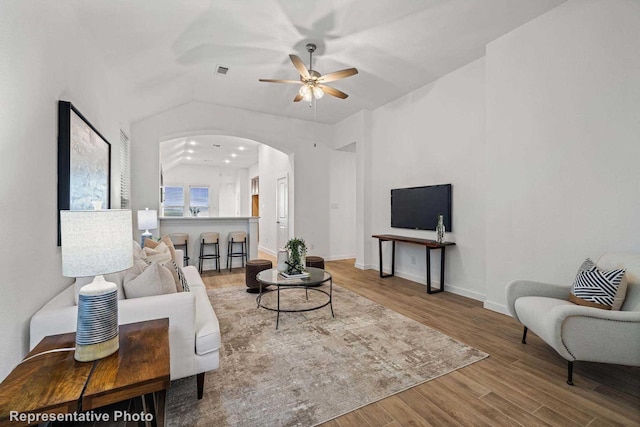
435	135
356	129
563	96
45	58
243	193
187	175
272	165
342	208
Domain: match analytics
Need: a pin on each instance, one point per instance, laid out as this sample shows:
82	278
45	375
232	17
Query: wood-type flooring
518	385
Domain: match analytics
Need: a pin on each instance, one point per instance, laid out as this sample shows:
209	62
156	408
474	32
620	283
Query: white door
282	214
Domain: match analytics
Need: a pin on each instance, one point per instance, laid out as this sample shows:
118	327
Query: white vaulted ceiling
209	150
163	53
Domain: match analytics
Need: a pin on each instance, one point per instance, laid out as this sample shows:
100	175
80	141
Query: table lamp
96	243
147	220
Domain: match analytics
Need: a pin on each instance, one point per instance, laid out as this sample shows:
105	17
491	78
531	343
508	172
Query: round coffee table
317	277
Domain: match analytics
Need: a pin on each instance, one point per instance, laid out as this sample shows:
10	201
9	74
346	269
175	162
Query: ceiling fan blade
333	92
337	75
298	98
295	82
302	69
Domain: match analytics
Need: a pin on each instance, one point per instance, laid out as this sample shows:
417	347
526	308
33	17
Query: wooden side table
49	383
56	382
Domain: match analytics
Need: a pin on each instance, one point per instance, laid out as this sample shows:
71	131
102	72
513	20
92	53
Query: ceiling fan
313	83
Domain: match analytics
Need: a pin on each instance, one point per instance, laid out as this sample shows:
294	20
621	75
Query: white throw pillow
117	278
154	280
160	254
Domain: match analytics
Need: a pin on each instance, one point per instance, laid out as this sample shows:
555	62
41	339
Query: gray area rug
314	367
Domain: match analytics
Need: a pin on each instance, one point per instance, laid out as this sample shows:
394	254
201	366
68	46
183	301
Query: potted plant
297	256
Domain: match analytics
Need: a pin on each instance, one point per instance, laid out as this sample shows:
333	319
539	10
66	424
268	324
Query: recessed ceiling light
192	143
240	148
188	158
227	161
234	155
189	151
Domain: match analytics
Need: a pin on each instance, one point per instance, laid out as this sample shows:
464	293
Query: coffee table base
307	288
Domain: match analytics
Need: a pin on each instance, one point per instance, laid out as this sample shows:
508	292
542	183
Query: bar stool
181	239
212	239
236	238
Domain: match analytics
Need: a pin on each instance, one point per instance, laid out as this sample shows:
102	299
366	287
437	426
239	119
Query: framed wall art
84	163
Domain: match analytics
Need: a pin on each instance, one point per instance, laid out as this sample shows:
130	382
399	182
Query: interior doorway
282	211
255	205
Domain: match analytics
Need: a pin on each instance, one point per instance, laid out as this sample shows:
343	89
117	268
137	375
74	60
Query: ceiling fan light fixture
311	81
318	92
305	90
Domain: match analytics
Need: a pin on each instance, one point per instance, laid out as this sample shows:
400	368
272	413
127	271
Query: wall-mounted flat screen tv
418	208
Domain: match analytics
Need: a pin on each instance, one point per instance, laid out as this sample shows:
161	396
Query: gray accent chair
578	332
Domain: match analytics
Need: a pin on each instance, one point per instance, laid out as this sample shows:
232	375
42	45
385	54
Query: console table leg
442	269
429	290
428	270
393	258
380	256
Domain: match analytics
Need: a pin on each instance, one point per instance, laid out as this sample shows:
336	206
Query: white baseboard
365	266
465	292
494	306
436	284
339	257
267	250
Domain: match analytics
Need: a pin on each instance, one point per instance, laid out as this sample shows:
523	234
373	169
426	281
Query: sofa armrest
529	288
597	335
57	316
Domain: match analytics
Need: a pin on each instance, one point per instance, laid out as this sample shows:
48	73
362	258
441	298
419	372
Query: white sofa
194	333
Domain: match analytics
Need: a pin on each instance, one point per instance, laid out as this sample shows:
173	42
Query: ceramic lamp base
97	330
145	235
91	352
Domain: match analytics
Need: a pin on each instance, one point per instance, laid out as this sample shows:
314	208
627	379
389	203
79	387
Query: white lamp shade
96	242
147	219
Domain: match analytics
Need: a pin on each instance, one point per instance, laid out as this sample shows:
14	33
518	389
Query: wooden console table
428	244
57	383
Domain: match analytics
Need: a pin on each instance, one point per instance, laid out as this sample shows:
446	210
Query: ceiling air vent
222	70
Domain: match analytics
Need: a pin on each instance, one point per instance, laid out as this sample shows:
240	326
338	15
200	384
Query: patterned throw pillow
181	279
598	288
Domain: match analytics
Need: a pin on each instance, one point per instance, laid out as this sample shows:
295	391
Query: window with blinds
173	201
199	200
125	171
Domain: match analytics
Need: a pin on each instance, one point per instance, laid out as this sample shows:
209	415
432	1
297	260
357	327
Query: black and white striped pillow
181	278
594	287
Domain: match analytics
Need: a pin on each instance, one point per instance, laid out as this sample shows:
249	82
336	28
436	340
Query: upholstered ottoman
254	267
315	261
